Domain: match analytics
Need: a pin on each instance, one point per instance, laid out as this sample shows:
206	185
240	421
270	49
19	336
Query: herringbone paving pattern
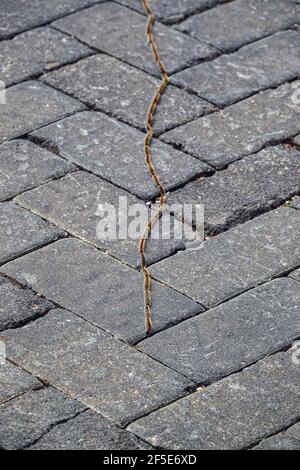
221	369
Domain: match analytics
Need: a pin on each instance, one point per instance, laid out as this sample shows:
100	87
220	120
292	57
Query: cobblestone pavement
222	368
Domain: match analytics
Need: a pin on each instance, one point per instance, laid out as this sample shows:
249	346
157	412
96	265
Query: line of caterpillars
150	166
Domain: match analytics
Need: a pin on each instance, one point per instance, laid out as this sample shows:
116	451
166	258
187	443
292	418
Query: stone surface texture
78	83
122	386
267	118
96	142
31	53
230	78
27	417
246	188
24	165
233	413
234	24
21	231
30	105
128	92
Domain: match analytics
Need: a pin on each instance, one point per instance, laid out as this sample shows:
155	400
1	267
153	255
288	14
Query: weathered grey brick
126	39
228	79
14	381
21	231
20	15
105	374
246	188
30	54
128	92
233	335
240	22
30	105
24	165
233	413
26	418
287	440
297	140
18	305
244	128
72	203
172	12
88	431
96	141
97	287
296	274
235	260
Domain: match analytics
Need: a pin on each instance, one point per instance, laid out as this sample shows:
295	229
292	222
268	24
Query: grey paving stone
246	188
230	78
89	431
126	39
235	260
33	52
14	381
297	140
18	306
296	275
124	92
233	413
233	335
21	231
72	203
95	286
234	24
30	105
105	374
24	165
287	440
171	12
269	117
20	15
96	141
26	418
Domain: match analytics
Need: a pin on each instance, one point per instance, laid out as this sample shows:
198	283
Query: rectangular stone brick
244	128
246	188
24	165
234	24
105	374
287	440
296	275
234	413
18	306
95	142
100	289
233	335
21	231
124	92
34	52
170	11
88	431
230	78
234	261
26	418
17	15
30	105
15	381
126	38
72	203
